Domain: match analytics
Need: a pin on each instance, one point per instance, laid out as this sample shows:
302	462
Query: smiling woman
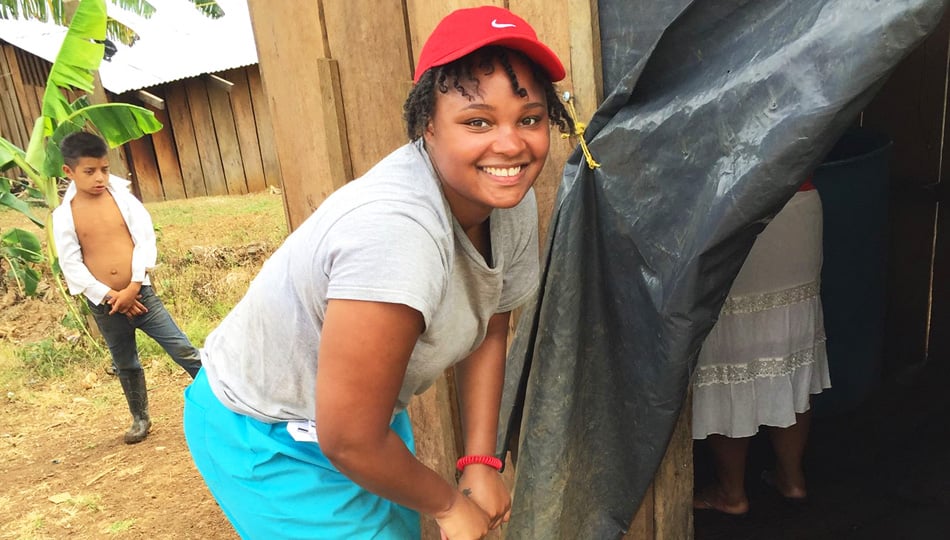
408	270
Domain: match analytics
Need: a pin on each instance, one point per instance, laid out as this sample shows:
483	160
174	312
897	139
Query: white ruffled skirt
766	354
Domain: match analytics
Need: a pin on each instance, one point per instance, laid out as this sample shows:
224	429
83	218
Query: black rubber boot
133	384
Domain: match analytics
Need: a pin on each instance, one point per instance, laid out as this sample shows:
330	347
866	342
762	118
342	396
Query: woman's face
489	150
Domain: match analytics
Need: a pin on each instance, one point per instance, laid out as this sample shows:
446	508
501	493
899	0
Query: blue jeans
119	333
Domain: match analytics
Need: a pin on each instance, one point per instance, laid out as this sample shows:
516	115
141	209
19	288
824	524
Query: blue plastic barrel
853	184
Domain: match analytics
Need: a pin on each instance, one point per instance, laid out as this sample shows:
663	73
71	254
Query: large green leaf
8	154
22	244
78	57
26	277
11	201
12	156
21	249
117	123
30	278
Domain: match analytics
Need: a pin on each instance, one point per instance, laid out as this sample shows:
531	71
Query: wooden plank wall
20	97
12	127
214	142
352	117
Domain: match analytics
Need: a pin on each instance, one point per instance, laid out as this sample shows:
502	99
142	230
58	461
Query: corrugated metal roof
177	42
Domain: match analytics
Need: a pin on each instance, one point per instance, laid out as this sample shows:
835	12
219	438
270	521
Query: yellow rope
579	130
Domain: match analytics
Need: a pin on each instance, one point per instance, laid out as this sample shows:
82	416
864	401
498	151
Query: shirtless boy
106	246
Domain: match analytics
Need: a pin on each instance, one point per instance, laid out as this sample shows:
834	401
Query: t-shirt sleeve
387	252
522	268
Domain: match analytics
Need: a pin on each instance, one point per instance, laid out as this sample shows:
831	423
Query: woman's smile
509	175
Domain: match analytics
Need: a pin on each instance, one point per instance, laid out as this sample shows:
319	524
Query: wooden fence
215	141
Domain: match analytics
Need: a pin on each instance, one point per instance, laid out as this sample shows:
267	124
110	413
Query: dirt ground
65	470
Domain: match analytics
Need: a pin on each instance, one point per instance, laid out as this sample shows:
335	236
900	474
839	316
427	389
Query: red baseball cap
465	30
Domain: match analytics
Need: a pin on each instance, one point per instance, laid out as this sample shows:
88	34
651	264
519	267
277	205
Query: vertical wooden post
294	62
673	483
666	512
586	61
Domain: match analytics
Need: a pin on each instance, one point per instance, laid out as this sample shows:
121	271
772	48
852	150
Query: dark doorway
881	469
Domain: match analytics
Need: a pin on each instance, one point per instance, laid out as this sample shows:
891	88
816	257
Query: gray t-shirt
387	237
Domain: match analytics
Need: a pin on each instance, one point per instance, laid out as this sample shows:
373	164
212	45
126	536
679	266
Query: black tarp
720	109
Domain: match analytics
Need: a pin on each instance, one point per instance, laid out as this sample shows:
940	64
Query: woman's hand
463	520
485	487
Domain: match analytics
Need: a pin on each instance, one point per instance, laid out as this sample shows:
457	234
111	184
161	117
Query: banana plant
41	162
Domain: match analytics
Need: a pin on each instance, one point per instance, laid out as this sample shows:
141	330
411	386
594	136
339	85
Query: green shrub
50	358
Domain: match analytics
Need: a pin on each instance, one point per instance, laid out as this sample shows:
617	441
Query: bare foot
785	486
713	498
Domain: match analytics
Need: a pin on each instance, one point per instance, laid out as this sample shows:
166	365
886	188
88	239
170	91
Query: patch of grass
87	502
101	402
24	526
51	358
218	221
29	524
9	376
36	523
119	526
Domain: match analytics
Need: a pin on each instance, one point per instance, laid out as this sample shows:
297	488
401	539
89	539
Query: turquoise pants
273	487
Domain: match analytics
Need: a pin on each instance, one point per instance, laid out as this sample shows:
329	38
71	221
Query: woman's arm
480	380
364	350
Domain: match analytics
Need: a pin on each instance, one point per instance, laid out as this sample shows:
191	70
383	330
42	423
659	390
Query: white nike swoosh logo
496	24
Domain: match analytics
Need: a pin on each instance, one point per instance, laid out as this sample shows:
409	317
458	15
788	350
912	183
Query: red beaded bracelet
491	461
